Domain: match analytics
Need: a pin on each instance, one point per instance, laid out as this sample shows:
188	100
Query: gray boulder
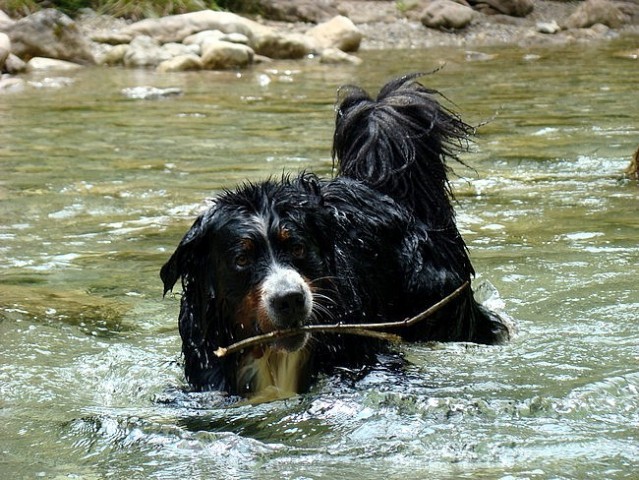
5	21
313	11
5	49
222	55
447	15
181	63
339	32
49	33
43	63
175	28
14	65
114	55
279	45
201	38
592	12
336	56
513	8
144	51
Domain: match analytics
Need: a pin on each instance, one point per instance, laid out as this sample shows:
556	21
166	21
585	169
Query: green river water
96	189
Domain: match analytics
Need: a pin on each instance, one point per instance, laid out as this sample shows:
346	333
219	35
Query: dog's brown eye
298	250
242	260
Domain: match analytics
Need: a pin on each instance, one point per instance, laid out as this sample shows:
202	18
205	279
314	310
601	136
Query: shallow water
97	189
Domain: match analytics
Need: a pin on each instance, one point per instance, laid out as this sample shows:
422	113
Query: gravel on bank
386	27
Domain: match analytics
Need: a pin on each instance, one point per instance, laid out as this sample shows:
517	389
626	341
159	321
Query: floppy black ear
198	320
178	264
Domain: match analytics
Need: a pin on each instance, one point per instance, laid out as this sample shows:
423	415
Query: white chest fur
275	370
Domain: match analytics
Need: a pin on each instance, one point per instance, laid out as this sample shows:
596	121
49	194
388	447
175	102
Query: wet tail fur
399	144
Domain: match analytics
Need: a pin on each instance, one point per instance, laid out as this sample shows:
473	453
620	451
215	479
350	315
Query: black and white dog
377	243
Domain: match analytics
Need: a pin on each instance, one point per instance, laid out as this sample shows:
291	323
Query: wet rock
11	84
447	15
313	11
339	32
181	63
633	169
376	11
175	49
5	49
42	63
473	56
548	27
200	38
335	55
144	51
5	21
278	45
115	55
235	38
628	54
592	12
14	64
52	82
111	38
221	55
150	93
52	34
513	8
175	28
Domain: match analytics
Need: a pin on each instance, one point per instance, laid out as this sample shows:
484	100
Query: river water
96	190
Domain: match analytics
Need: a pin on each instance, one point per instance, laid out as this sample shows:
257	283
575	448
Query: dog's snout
287	298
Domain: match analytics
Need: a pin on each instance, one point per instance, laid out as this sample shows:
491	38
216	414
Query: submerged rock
150	93
335	55
633	169
11	84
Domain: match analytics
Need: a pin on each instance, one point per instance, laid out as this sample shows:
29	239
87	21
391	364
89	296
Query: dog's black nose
290	308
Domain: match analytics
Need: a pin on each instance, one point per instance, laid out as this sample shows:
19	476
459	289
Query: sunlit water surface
96	189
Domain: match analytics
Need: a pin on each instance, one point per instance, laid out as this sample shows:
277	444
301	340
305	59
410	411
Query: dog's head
253	263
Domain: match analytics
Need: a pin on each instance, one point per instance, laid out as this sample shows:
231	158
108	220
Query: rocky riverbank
331	31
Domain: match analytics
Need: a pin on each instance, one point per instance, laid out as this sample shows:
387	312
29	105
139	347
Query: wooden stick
363	329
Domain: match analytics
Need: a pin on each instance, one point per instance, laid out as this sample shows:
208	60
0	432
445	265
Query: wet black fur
381	240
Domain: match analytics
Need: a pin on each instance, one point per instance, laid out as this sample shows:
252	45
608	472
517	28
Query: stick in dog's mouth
363	329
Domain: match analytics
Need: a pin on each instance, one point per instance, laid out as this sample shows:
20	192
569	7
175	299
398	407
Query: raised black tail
399	144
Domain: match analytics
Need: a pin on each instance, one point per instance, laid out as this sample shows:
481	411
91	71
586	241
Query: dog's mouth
291	343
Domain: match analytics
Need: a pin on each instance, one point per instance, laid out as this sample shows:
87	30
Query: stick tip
220	352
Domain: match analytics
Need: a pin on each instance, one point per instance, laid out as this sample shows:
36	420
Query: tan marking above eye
284	234
247	244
